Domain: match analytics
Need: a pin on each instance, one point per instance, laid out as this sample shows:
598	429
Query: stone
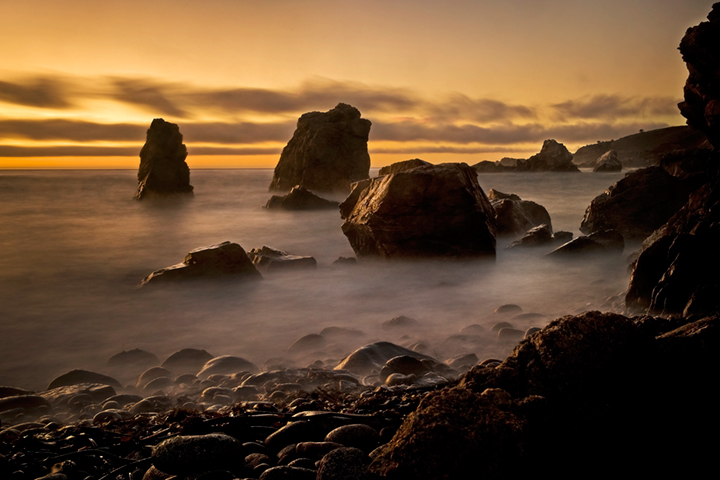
435	211
608	162
508	308
344	464
497	195
374	356
307	342
25	402
553	157
162	162
75	377
608	241
562	237
286	472
463	361
515	217
401	321
271	259
222	260
327	152
61	397
13	391
152	374
356	435
300	198
638	204
187	360
535	237
226	364
134	359
404	364
316	450
403	166
192	454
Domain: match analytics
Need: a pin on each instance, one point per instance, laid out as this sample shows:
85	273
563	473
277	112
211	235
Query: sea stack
162	162
327	152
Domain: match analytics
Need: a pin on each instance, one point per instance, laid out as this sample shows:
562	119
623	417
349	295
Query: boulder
638	204
403	166
497	195
374	356
187	360
327	152
553	157
514	217
271	259
75	377
428	211
193	454
162	162
608	241
608	162
221	260
700	51
225	365
535	237
300	198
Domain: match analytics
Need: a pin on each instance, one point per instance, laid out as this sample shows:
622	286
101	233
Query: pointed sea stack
162	162
327	152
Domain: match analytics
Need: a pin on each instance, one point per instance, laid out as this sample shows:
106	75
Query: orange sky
460	80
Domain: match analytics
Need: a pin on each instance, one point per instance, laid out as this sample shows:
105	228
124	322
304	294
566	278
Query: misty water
75	246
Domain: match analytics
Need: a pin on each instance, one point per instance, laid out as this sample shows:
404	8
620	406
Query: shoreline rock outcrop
163	169
327	152
608	162
432	211
553	157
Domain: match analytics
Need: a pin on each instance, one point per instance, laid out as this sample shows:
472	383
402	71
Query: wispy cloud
615	106
39	92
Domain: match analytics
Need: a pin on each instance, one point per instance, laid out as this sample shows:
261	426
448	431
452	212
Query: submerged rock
327	152
428	211
162	162
300	198
608	162
608	241
271	259
221	260
553	157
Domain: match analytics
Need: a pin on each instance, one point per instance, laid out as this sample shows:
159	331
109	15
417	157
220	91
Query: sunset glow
463	80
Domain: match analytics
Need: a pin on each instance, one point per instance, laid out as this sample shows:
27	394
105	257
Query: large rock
76	377
402	166
700	49
553	157
221	260
428	211
608	162
374	356
271	259
300	198
327	152
514	216
638	204
193	454
605	390
162	162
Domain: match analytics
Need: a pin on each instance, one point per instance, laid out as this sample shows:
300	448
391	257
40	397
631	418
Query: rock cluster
162	162
553	157
427	211
327	152
608	162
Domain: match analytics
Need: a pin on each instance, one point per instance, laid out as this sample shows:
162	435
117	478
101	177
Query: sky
452	80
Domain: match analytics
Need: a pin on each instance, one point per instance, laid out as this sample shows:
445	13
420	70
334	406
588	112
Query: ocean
75	245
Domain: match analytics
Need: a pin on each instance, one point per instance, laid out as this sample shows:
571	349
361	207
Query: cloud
90	151
39	92
148	94
483	110
614	106
70	130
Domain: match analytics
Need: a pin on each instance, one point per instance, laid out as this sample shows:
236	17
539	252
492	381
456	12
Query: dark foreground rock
300	198
607	391
428	211
638	204
221	260
163	169
327	152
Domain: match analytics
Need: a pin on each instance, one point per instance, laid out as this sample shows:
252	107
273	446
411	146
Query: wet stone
182	455
360	436
344	464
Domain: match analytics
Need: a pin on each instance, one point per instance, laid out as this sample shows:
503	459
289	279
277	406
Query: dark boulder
497	195
193	454
300	198
221	260
76	377
608	241
271	259
225	365
638	204
327	152
608	162
514	217
535	237
553	157
187	360
429	211
374	356
162	162
402	166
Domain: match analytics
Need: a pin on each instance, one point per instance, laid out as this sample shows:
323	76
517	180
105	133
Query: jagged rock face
608	162
162	162
553	157
429	211
402	166
221	260
700	49
300	198
638	204
327	152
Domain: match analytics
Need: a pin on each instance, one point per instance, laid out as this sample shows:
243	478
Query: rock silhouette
162	162
608	162
327	152
553	157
